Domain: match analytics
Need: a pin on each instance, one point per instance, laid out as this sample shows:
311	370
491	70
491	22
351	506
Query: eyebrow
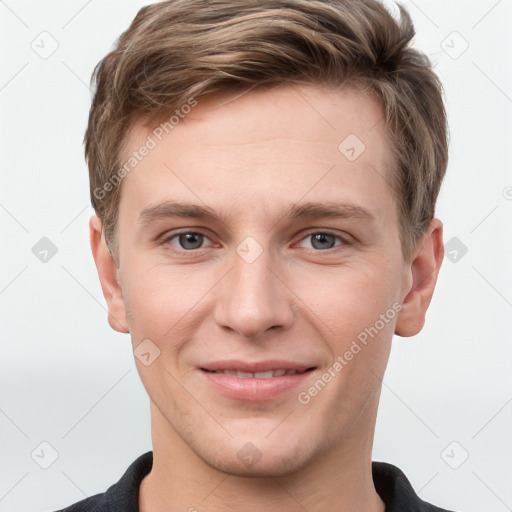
304	211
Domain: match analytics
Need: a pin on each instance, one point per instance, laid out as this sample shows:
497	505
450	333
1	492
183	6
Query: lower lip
253	389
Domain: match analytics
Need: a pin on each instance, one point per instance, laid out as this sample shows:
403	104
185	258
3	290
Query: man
264	176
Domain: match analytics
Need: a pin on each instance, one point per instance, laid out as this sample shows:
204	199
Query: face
256	237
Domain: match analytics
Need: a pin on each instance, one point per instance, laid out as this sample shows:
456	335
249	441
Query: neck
181	481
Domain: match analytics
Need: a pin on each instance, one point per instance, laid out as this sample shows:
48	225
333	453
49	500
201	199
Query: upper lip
255	366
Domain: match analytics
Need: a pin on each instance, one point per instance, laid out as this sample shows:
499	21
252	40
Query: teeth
264	375
258	375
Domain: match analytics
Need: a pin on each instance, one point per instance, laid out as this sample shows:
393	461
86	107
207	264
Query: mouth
255	381
279	372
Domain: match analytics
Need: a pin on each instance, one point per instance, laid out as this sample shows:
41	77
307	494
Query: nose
253	298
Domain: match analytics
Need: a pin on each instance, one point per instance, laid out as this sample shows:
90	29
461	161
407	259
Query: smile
256	375
254	386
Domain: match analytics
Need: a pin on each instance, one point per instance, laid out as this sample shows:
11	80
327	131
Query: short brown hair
176	50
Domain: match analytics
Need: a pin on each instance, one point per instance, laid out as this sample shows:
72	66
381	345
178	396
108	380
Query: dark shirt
391	484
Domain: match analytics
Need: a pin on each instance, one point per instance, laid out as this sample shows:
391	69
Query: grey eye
191	240
323	241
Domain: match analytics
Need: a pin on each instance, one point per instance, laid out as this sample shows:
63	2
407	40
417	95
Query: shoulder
121	496
396	491
96	503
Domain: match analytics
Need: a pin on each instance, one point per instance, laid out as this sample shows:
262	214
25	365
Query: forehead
263	148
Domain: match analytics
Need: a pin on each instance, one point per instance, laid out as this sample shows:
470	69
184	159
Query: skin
249	158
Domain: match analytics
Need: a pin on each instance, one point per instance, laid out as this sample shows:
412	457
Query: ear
108	274
422	269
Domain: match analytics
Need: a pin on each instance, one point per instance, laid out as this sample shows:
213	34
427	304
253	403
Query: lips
256	375
264	380
256	366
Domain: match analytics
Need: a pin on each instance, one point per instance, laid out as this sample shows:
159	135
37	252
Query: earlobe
108	274
423	271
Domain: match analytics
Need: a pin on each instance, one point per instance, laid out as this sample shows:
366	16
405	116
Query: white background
66	378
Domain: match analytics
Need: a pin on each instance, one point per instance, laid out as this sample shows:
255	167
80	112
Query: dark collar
390	482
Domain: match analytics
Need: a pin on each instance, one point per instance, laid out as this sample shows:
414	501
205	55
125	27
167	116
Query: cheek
348	299
162	300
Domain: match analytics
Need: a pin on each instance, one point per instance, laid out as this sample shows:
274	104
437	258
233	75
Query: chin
261	459
272	468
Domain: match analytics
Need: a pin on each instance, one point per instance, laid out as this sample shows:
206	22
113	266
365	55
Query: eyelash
345	241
